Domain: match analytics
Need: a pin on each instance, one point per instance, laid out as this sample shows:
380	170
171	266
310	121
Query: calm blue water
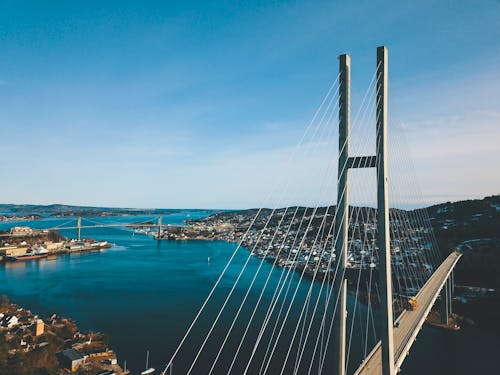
144	294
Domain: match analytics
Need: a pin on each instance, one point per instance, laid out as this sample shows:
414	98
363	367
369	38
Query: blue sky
197	104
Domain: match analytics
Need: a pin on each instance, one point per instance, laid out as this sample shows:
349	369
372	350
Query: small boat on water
148	370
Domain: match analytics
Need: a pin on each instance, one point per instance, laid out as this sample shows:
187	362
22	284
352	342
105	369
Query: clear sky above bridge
196	103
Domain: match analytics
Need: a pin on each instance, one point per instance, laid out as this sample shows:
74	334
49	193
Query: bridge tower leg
342	218
445	309
452	277
383	239
160	229
79	226
450	294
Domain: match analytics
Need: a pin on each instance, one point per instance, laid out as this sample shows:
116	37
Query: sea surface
144	294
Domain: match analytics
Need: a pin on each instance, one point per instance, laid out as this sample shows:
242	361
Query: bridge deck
410	322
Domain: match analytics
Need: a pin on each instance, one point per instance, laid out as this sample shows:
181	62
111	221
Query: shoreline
51	343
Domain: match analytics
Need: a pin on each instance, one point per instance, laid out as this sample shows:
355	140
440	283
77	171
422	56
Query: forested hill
472	226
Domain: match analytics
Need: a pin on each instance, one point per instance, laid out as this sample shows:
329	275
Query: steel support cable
369	294
300	316
271	269
281	285
263	289
418	257
367	247
293	298
323	318
364	98
400	241
309	300
405	241
274	299
354	314
421	213
169	364
301	278
360	210
350	246
396	270
241	341
58	227
421	256
243	268
61	225
395	239
319	295
230	293
247	293
292	302
363	333
364	152
322	361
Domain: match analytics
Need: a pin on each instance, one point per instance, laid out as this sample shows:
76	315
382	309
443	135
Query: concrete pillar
450	295
342	218
444	303
383	239
159	227
79	225
452	278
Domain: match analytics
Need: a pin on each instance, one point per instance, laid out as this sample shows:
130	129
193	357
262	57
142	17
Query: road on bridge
410	322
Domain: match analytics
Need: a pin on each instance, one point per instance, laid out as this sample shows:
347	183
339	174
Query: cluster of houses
292	240
20	325
26	333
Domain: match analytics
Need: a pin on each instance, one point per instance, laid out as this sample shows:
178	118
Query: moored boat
37	252
148	370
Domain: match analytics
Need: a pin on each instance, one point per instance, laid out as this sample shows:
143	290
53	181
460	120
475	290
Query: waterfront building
8	321
39	327
21	231
71	358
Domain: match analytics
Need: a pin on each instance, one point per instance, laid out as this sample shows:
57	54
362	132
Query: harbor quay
22	243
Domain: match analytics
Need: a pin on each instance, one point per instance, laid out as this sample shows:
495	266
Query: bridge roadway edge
401	351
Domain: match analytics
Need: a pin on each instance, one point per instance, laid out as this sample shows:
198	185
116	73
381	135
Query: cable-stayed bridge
341	287
393	251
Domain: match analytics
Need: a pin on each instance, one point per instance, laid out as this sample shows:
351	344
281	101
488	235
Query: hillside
62	210
472	226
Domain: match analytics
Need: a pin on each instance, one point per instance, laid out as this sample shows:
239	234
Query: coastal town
301	238
9	218
51	344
